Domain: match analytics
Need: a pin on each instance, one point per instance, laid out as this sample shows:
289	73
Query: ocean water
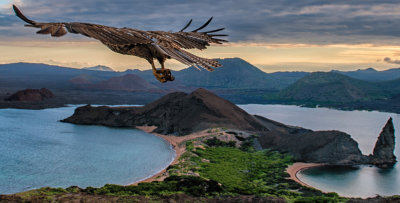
37	151
363	126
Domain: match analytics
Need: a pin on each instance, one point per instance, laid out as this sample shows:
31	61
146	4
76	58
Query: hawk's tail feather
177	56
191	59
207	64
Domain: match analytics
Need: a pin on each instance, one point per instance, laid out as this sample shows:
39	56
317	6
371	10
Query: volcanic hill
31	95
177	113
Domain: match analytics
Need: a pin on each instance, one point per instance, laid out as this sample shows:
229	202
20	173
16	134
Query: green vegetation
192	185
215	142
242	172
259	173
46	194
247	145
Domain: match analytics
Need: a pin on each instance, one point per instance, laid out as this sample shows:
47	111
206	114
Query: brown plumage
149	45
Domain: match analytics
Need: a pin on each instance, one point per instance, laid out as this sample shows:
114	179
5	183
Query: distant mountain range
371	74
28	75
99	68
333	89
234	74
237	80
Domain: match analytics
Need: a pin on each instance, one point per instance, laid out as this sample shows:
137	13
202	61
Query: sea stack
383	156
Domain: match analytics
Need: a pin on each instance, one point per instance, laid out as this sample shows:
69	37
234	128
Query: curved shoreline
148	178
295	168
175	141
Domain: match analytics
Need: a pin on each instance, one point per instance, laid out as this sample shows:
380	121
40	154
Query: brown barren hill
31	95
176	113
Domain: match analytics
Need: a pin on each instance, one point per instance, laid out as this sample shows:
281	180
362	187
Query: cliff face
383	154
31	95
331	147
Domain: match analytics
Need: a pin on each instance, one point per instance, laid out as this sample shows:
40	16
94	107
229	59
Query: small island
32	99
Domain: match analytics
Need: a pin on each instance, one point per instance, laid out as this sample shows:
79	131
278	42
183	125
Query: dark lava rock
383	154
31	95
176	113
330	147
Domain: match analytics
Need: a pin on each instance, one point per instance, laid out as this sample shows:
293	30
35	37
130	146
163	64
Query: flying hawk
149	45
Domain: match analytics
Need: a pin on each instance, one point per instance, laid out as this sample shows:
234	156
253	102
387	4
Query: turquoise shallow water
36	151
363	126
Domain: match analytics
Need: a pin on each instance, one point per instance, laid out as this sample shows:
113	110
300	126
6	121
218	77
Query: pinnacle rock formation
383	156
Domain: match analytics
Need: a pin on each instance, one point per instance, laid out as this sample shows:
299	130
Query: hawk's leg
166	72
158	73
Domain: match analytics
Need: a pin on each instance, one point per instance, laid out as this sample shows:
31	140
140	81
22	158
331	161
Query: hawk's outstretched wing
170	43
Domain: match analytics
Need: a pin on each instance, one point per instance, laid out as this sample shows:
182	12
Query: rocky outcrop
383	154
176	113
31	95
330	147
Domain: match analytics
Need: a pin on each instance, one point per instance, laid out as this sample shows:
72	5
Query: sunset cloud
389	60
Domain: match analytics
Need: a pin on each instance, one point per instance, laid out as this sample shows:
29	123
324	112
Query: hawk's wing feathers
171	43
105	34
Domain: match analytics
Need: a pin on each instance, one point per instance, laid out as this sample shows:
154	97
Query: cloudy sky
273	35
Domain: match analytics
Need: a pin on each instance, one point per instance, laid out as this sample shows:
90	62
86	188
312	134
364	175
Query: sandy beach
297	167
175	141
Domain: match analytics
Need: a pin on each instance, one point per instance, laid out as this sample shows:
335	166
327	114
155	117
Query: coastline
295	168
179	149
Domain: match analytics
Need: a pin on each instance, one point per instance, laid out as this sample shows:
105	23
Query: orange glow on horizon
268	57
